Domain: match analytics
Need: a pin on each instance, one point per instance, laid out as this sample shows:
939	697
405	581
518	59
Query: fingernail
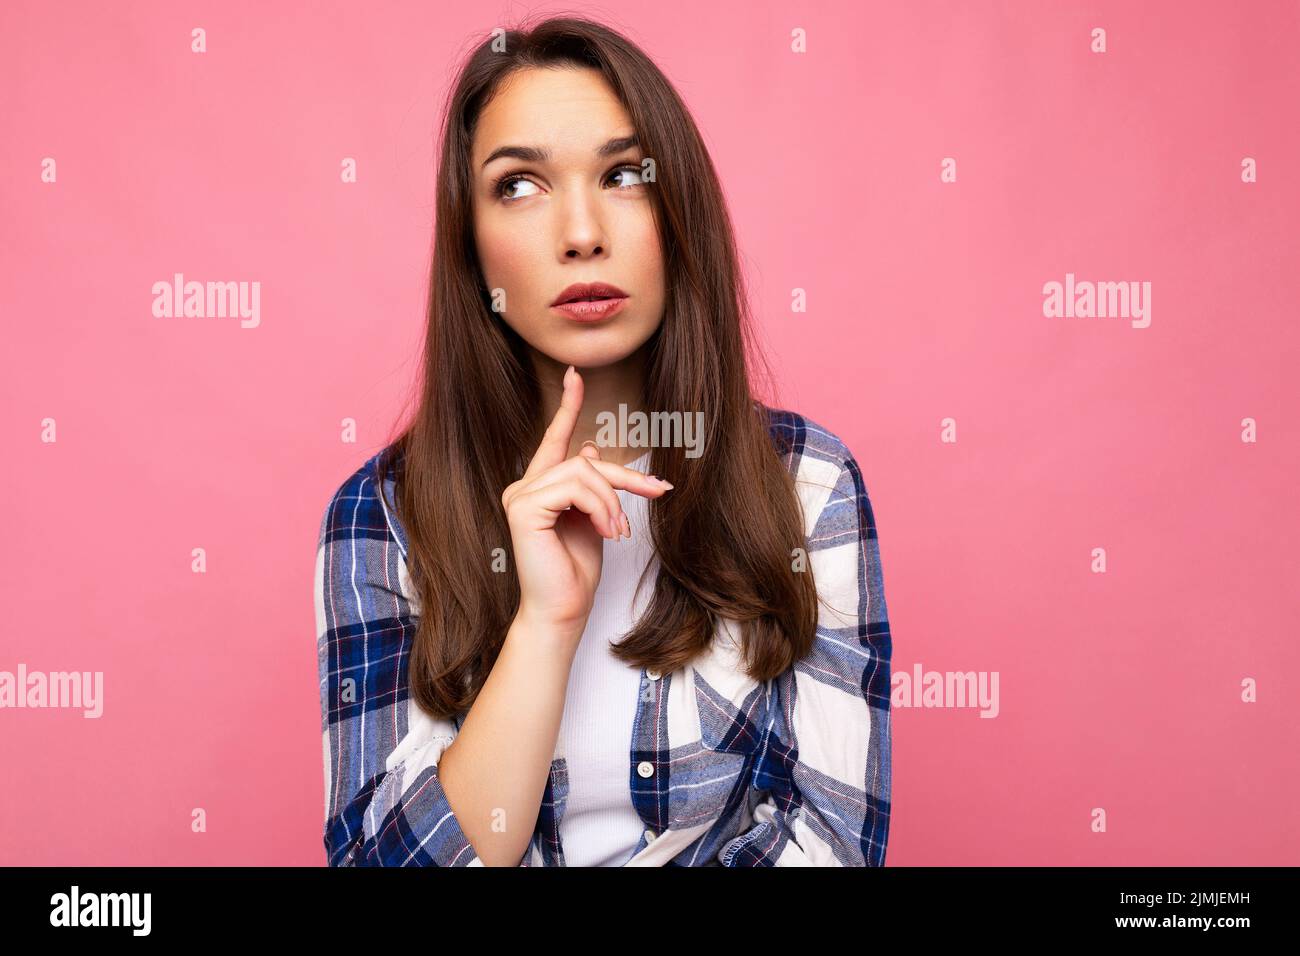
666	484
591	443
627	528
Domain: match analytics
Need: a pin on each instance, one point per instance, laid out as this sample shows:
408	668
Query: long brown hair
725	536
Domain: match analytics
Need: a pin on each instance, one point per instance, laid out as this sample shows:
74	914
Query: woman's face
572	209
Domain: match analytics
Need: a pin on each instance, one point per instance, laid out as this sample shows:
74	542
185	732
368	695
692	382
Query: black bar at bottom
215	904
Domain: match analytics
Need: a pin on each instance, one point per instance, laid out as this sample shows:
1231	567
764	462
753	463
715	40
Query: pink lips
590	301
590	311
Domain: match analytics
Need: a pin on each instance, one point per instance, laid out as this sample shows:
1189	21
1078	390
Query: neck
605	387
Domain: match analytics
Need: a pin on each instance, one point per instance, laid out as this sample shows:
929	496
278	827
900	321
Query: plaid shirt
724	770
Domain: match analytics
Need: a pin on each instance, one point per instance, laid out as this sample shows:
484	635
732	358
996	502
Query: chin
591	348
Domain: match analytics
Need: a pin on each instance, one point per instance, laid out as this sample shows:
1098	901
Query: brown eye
505	182
634	170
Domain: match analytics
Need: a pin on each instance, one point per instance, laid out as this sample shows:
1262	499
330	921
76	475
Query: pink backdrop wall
1120	690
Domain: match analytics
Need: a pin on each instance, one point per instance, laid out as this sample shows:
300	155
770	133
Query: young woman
532	651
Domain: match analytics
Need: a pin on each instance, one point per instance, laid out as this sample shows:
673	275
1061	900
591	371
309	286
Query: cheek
649	264
508	256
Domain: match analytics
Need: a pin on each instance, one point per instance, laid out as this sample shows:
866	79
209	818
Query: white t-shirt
600	827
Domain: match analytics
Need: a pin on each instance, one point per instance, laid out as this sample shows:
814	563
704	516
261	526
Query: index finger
554	447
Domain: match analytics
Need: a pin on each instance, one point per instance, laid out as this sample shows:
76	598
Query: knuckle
510	499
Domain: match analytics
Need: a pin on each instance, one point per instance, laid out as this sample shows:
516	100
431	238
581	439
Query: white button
653	674
645	768
649	836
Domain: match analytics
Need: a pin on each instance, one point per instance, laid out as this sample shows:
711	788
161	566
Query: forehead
570	111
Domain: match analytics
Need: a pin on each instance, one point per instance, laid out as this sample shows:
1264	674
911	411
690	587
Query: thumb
589	450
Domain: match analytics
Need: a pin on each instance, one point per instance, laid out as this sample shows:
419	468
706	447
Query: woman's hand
559	512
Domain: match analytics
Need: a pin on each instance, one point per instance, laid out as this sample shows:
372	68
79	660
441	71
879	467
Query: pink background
1119	690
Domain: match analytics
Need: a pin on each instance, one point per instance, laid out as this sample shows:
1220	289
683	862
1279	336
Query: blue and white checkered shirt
724	770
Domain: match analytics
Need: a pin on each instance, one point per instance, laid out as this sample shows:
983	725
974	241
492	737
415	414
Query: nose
583	234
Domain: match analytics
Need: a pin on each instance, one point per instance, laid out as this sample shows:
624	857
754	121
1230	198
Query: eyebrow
538	154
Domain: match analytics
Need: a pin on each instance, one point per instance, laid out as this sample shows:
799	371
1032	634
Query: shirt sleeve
384	804
825	760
